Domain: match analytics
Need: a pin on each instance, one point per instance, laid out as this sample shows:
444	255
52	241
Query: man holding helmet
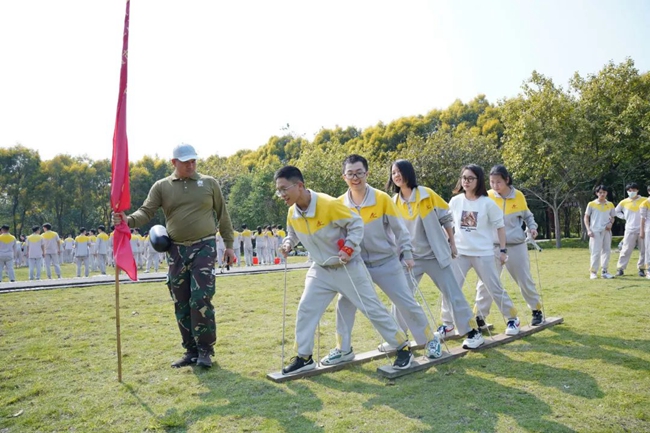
190	202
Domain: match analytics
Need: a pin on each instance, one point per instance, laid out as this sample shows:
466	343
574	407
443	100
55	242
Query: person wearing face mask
628	210
599	217
644	233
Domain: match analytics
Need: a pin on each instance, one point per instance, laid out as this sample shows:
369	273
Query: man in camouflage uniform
190	202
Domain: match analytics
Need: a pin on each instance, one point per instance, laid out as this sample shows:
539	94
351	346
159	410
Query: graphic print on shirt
468	220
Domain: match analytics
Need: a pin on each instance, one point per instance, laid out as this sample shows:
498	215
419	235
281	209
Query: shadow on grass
570	344
471	403
252	403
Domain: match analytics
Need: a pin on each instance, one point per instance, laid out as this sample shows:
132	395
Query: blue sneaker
446	330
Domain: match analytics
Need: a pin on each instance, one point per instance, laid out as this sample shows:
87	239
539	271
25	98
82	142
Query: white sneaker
433	347
474	339
647	275
593	276
607	275
512	328
385	347
336	356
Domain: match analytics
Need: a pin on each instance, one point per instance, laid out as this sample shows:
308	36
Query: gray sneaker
336	356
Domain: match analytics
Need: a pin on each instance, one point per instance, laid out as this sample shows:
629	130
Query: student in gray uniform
7	249
385	242
512	203
319	222
427	218
629	210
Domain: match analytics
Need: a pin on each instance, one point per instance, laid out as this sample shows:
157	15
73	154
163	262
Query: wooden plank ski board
423	363
360	358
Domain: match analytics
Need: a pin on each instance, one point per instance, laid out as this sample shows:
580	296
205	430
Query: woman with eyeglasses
429	223
476	217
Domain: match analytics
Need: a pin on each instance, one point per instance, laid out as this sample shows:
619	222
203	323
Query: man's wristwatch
504	250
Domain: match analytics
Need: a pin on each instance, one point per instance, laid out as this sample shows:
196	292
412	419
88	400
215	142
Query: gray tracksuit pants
390	278
518	266
460	313
322	284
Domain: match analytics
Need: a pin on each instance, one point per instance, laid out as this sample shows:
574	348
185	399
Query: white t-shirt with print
474	224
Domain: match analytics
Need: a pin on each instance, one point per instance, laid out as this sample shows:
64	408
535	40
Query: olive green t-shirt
189	205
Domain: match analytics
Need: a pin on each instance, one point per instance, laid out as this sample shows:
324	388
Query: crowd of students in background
91	250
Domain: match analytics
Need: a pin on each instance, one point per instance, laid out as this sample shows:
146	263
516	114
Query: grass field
59	372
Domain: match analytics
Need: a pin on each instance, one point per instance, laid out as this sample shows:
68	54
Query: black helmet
159	239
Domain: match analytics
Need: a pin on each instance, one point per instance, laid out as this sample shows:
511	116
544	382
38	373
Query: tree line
558	143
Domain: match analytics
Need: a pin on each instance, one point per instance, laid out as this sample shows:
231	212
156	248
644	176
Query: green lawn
59	372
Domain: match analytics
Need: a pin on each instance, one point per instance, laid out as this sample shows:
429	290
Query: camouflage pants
191	286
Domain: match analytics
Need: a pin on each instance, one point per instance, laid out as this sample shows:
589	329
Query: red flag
120	191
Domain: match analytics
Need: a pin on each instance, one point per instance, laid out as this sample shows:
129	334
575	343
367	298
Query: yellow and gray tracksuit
280	234
7	249
221	249
425	214
600	244
385	240
35	255
52	245
102	250
644	211
319	228
628	210
68	246
247	238
515	214
81	253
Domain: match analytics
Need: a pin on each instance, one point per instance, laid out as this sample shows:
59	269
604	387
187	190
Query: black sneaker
298	364
480	322
188	359
641	273
619	272
404	357
204	359
538	318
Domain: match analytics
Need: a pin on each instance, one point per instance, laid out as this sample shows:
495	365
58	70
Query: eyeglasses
283	191
468	179
357	175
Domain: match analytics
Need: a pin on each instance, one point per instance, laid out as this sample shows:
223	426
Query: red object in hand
341	243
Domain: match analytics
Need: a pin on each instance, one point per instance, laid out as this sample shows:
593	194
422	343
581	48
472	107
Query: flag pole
117	324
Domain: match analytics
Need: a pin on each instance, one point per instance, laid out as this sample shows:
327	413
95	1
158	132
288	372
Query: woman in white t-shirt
476	216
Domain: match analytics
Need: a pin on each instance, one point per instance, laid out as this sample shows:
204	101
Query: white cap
184	152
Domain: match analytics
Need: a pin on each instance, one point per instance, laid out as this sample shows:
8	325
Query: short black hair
601	188
501	170
480	180
82	230
4	227
632	185
47	226
407	172
353	159
244	226
290	173
101	227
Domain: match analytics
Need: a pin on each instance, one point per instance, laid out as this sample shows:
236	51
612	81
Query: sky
225	76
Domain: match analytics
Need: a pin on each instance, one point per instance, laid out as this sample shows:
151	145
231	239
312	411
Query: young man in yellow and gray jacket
628	210
515	213
52	245
35	253
385	242
7	250
331	233
247	239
